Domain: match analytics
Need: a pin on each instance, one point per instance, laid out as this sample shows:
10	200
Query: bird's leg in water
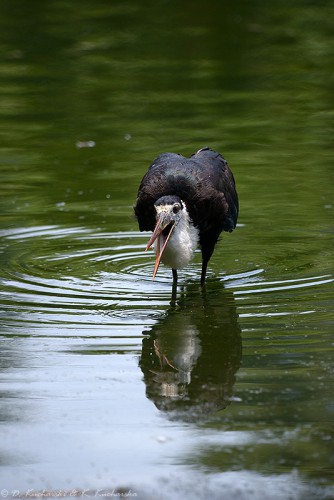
203	274
174	289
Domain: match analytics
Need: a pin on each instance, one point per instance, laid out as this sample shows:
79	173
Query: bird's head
168	213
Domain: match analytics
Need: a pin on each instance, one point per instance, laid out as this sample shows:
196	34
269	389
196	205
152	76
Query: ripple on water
52	276
79	276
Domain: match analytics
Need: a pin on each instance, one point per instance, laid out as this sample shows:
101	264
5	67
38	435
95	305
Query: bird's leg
174	289
203	273
207	251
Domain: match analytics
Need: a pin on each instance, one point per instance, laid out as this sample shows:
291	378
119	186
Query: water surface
107	380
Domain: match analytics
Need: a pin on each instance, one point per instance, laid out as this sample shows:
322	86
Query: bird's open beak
163	221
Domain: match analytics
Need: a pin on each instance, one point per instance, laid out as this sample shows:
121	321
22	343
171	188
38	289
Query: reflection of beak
163	221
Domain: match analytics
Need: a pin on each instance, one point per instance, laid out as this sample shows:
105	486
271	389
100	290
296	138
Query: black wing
204	182
158	181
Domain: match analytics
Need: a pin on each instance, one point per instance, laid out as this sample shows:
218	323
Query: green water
106	382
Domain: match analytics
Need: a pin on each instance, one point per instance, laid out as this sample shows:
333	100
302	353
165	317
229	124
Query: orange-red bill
159	254
160	226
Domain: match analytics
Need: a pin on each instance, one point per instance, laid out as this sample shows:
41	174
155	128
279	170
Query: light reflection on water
76	344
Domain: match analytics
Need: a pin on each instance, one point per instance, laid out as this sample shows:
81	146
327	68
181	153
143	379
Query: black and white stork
186	202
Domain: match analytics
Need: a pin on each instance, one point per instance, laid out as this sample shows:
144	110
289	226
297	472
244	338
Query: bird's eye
176	208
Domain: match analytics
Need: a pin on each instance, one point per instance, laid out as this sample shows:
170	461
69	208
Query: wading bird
186	202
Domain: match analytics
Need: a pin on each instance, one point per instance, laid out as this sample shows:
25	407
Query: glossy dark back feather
204	182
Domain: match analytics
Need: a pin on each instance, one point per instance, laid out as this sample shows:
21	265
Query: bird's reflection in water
191	356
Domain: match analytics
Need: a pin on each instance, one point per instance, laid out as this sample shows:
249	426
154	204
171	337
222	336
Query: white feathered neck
182	243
